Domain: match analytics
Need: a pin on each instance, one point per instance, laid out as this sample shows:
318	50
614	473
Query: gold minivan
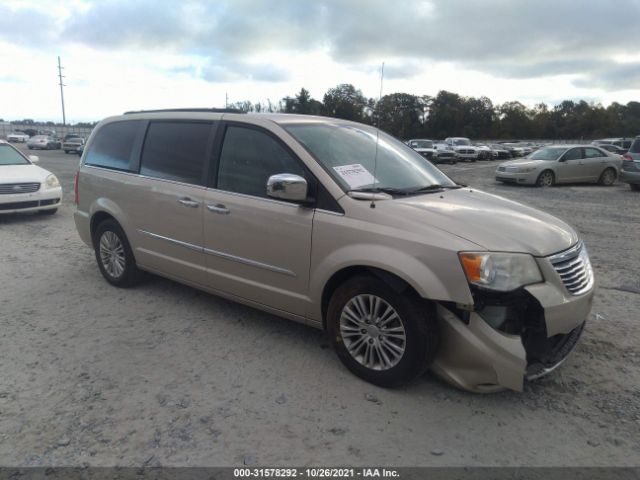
337	225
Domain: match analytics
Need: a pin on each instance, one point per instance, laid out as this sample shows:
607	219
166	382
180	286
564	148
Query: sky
121	55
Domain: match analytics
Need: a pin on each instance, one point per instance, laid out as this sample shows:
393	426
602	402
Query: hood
22	173
490	221
523	162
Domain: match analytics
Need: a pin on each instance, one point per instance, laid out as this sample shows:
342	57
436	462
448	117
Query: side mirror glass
287	186
34	158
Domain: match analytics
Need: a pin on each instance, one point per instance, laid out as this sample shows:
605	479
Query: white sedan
20	137
25	187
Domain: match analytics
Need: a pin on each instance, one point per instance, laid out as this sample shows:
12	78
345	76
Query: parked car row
70	143
463	150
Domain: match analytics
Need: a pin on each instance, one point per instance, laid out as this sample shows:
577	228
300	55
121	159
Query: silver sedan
562	164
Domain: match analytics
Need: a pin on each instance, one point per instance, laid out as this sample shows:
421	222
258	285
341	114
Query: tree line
448	114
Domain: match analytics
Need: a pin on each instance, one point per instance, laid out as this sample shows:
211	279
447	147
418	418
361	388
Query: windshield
549	153
10	156
347	153
461	141
421	144
635	147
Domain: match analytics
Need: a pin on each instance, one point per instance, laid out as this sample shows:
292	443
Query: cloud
27	27
237	71
612	76
503	38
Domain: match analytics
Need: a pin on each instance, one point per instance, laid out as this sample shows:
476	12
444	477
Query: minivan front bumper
546	323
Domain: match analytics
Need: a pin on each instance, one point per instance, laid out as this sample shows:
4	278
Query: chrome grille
13	188
574	268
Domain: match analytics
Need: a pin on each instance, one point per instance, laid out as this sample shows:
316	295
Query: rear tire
114	255
546	179
608	177
385	337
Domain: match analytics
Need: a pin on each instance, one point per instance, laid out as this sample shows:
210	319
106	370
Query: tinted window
176	151
573	154
249	157
593	153
113	145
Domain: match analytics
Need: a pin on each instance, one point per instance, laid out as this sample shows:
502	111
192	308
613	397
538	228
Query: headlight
52	181
526	169
500	271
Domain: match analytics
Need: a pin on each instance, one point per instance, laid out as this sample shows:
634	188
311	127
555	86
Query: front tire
608	177
384	337
114	255
546	179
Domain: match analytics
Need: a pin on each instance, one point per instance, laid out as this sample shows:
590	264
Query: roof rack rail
205	110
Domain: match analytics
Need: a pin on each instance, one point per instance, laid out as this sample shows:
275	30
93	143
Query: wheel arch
394	281
104	209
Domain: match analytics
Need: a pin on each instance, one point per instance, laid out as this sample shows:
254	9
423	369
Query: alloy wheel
373	332
112	254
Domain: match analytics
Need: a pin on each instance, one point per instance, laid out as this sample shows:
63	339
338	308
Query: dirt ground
166	375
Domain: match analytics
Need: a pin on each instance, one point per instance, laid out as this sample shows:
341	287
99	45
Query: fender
423	279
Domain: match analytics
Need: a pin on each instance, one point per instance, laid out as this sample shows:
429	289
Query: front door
256	247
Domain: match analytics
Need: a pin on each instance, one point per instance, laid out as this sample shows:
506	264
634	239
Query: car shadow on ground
27	217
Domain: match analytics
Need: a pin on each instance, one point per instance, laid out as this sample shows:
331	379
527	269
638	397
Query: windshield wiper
436	187
389	190
407	191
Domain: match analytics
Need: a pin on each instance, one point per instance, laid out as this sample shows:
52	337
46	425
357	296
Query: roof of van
230	114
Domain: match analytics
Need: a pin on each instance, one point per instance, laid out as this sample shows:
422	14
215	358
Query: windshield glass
549	153
347	153
461	141
421	144
9	156
635	147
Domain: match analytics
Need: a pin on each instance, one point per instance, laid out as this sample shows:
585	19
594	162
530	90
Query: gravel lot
166	375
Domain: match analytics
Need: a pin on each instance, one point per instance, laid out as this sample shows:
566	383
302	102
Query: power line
60	76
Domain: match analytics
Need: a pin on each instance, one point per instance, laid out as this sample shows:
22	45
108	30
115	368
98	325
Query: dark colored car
613	149
630	168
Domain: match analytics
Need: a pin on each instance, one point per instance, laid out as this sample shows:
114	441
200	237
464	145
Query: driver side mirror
287	186
34	158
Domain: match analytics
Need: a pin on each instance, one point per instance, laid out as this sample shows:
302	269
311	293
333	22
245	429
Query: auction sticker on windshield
355	175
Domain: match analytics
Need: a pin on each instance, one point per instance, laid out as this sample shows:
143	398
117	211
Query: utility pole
226	100
60	76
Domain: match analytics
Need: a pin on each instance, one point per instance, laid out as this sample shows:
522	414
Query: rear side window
635	147
593	153
113	146
249	157
176	151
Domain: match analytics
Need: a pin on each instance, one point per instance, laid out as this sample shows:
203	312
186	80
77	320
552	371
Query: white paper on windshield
355	175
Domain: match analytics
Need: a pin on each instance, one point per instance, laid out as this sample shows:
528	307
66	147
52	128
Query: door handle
218	208
187	202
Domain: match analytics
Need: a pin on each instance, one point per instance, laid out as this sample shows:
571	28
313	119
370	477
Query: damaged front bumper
506	338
